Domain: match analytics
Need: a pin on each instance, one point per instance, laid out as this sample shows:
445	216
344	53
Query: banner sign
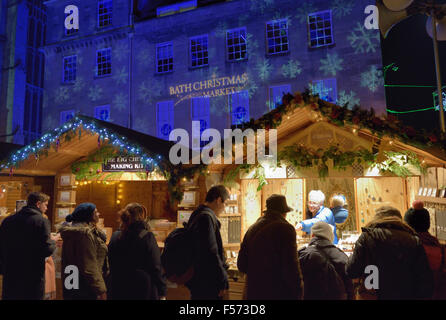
130	164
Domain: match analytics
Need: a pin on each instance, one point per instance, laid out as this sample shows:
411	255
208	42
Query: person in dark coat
134	258
268	255
323	267
394	248
419	219
84	246
210	278
25	242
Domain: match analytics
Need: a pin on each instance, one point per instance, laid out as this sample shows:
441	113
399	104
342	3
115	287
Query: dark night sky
411	48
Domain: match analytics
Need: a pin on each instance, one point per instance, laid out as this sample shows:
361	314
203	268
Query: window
103	62
199	51
320	29
277	36
66	116
102	113
276	93
176	8
105	8
200	112
69	69
239	104
164	58
236	44
326	89
164	119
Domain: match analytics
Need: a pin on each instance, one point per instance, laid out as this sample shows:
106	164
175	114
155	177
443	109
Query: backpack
177	257
178	254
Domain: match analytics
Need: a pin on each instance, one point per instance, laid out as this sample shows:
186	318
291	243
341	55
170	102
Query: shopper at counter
268	255
210	279
323	267
84	246
316	200
394	249
25	242
134	258
419	219
337	203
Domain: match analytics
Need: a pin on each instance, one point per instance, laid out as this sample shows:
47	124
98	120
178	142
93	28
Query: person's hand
55	237
163	298
299	226
102	296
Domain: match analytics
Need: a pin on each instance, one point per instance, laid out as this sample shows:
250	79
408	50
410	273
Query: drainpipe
130	86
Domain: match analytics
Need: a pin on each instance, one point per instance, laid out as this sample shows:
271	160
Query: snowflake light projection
95	93
49	122
281	15
141	125
62	95
372	79
218	105
121	76
331	64
291	69
263	69
251	85
261	5
363	40
144	56
120	102
342	8
149	90
121	51
220	30
348	99
78	84
304	9
252	45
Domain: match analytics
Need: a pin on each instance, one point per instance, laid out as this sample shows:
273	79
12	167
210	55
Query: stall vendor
337	203
316	200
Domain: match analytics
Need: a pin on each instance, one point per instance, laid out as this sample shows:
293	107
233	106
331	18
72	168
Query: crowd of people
408	261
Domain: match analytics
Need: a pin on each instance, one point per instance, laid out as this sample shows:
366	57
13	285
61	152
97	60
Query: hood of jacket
381	227
74	231
428	239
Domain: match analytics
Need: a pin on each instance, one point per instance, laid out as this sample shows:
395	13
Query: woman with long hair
135	258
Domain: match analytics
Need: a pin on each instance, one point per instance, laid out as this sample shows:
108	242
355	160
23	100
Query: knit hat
387	211
82	213
323	230
418	217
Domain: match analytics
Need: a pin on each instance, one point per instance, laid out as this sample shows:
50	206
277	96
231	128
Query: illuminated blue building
157	67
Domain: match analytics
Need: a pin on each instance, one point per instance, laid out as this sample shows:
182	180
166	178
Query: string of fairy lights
149	159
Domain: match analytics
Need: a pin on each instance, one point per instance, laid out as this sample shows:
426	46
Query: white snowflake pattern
280	16
120	102
61	94
251	86
331	64
141	125
78	84
304	9
121	51
220	30
291	69
342	8
217	106
372	79
143	57
348	99
363	40
148	91
95	93
252	44
261	5
121	76
263	69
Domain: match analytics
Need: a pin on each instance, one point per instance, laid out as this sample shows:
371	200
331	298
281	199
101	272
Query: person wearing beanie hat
419	219
268	255
394	248
323	267
85	246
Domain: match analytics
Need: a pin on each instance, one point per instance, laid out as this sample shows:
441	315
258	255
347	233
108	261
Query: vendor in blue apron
316	207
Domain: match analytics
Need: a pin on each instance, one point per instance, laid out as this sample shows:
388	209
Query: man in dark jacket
396	251
323	267
268	255
24	244
210	279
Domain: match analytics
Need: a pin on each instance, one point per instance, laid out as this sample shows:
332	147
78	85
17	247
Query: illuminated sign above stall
214	87
129	164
